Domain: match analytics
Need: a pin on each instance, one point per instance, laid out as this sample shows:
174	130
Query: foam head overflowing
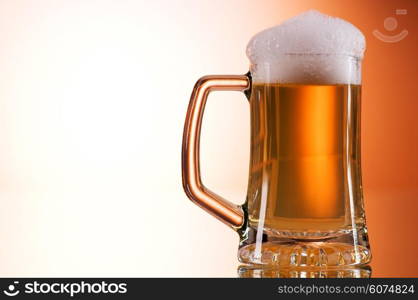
309	48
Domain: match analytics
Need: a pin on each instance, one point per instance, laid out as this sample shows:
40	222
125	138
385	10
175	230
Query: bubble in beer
309	48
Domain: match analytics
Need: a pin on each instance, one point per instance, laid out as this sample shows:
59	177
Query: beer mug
304	204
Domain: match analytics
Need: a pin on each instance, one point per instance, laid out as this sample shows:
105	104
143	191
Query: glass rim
314	54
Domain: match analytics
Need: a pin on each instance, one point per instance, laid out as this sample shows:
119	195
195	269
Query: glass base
347	248
271	272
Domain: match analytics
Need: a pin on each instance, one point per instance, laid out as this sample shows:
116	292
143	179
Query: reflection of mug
304	204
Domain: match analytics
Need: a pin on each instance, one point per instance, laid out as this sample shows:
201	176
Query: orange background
93	96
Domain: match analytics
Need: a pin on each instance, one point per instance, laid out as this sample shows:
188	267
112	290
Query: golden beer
305	152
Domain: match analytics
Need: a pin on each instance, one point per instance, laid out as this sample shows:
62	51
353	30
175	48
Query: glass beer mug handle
222	209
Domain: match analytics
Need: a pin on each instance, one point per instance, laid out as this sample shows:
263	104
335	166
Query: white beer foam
309	48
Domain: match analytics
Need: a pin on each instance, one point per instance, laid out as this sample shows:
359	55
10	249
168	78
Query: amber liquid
305	176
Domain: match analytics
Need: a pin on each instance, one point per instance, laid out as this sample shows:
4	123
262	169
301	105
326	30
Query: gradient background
93	96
